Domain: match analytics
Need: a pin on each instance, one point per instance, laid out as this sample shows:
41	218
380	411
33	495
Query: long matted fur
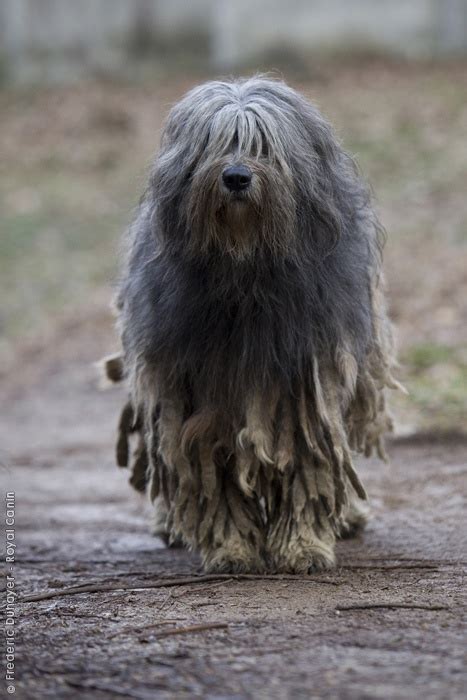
255	337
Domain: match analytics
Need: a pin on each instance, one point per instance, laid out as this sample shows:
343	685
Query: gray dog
255	338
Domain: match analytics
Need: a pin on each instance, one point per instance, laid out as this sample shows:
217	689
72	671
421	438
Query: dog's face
240	166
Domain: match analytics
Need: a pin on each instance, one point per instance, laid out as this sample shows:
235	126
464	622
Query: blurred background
84	88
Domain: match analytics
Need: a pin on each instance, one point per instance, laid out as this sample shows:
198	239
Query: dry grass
73	161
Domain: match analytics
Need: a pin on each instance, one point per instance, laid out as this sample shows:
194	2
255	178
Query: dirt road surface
389	622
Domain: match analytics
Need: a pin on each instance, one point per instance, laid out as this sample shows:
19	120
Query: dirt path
78	522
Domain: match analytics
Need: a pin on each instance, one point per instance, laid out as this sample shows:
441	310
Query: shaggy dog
255	337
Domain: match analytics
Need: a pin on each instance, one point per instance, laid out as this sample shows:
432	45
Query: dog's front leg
301	534
206	507
230	535
224	525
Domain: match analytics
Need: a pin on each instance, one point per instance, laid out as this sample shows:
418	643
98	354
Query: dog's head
246	166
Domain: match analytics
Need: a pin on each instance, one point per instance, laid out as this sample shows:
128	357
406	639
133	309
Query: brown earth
389	622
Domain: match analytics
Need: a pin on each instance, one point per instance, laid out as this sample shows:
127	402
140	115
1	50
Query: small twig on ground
167	583
83	616
201	589
204	603
194	628
409	563
145	628
391	567
391	606
167	598
105	687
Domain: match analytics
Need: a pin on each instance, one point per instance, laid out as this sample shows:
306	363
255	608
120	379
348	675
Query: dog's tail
112	368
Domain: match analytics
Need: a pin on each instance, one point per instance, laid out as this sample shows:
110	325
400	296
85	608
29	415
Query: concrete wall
53	37
56	39
407	27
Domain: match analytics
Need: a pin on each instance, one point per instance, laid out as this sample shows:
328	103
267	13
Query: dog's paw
353	520
225	561
321	561
304	560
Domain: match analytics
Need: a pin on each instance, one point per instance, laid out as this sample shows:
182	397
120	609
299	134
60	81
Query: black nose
237	178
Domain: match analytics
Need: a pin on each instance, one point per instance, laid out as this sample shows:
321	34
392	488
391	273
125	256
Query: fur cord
129	423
